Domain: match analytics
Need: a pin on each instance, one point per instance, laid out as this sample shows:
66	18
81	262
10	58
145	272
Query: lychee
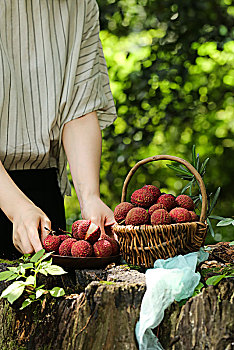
63	237
154	190
75	226
137	216
51	243
185	201
194	216
155	207
168	200
88	231
180	215
113	242
142	198
160	217
102	248
121	211
81	249
93	233
65	246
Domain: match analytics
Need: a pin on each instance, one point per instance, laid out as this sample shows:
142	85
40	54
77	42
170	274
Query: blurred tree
171	66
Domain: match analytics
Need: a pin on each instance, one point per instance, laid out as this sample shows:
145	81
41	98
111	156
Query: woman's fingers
45	226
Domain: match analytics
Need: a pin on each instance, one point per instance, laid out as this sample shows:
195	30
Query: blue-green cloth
169	280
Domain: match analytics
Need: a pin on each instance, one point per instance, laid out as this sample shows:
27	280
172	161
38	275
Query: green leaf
57	292
43	272
14	276
55	270
214	201
212	281
197	163
216	217
231	243
194	156
46	263
6	274
177	169
37	256
14	269
28	266
184	177
203	166
210	227
32	296
186	187
13	291
198	288
30	280
45	256
39	293
225	222
26	303
22	270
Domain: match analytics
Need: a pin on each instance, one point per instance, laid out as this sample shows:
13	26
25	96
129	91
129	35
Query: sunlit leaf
37	256
214	201
13	291
210	227
26	303
212	281
57	292
55	270
5	275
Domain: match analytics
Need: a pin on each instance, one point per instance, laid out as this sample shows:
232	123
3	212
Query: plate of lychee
84	248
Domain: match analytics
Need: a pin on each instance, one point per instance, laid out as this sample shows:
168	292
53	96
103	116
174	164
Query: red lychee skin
194	216
75	226
82	229
180	215
185	202
63	237
142	198
155	207
113	242
168	200
65	246
137	216
51	243
102	248
154	190
81	249
121	211
93	233
160	217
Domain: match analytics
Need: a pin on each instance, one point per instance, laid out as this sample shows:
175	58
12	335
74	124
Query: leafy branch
193	187
25	276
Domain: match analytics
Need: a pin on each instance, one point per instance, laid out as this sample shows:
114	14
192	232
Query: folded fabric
169	280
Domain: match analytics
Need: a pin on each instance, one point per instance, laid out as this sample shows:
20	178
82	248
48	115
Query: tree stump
102	310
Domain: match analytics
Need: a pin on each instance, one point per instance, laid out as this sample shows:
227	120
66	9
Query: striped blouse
52	70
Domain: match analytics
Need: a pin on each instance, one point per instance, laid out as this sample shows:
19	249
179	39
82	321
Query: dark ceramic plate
85	263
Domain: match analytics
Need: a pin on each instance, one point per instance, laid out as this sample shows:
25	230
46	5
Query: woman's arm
82	142
22	212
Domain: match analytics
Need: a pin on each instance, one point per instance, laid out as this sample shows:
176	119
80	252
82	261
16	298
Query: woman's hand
99	213
27	222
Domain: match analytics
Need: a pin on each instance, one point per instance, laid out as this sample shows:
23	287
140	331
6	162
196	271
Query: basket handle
176	159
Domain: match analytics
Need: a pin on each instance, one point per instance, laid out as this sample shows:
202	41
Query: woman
54	101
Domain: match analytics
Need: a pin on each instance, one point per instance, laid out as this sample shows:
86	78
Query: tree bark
102	312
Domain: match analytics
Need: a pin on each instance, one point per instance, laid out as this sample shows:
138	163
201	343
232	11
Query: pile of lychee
86	240
151	207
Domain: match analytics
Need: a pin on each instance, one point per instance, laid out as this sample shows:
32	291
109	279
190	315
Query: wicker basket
142	245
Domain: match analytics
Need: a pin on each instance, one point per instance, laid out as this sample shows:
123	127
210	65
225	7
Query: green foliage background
171	68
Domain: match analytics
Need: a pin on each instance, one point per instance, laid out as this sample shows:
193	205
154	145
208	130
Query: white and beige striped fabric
52	70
